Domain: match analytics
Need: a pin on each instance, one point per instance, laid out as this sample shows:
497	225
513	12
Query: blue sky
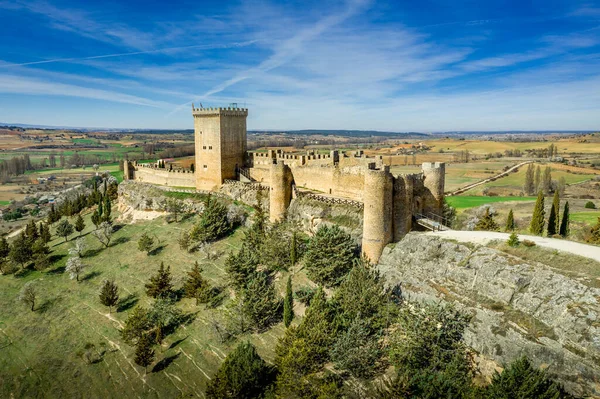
431	65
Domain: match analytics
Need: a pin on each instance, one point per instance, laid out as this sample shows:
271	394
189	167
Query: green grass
118	174
41	350
182	196
470	201
85	141
4	202
586	217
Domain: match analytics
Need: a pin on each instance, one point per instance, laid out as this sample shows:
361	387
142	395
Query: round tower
434	178
377	216
281	191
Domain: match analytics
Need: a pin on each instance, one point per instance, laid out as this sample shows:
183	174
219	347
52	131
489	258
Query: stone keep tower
220	140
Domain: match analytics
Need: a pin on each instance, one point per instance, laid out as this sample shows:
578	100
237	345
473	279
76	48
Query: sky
399	65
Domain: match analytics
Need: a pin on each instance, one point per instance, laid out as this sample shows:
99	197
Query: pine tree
96	218
487	222
145	243
529	186
109	294
510	221
537	221
107	207
45	232
64	229
213	222
330	255
547	180
4	251
538	178
160	284
513	240
288	304
79	225
31	231
144	354
20	251
553	219
564	222
261	304
196	286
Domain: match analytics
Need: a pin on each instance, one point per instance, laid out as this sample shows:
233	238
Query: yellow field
479	147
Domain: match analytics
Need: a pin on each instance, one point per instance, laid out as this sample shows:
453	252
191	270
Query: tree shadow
91	275
157	250
90	253
175	343
47	304
117	227
23	272
57	270
164	363
127	303
120	240
55	258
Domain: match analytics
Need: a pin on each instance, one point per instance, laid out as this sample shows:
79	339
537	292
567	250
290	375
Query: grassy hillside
41	351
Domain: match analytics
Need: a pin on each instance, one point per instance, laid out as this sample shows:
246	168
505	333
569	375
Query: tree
28	295
160	284
329	255
547	180
109	294
184	241
589	205
79	248
31	231
104	233
45	232
64	229
144	354
293	251
79	225
162	315
520	380
537	221
243	375
145	243
564	222
4	252
213	222
538	178
513	240
260	301
196	286
510	221
137	324
192	167
487	222
239	266
288	303
107	206
41	261
357	350
594	236
553	219
75	268
96	218
20	252
562	185
174	207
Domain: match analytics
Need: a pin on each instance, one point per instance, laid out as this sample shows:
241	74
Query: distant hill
346	133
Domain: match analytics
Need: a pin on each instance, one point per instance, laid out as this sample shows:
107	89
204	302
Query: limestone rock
518	308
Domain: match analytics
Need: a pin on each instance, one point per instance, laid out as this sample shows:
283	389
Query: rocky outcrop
310	214
148	197
518	308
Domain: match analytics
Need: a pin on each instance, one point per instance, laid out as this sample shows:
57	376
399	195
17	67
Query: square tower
220	145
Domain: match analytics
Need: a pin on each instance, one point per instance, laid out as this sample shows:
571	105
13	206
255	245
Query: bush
513	240
213	223
590	205
528	243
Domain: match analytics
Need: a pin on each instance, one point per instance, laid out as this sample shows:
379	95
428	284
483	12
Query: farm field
42	350
461	202
483	147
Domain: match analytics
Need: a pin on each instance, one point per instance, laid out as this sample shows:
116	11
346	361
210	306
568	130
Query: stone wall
164	177
518	307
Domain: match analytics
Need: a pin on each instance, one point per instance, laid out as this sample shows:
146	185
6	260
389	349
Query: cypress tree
107	208
564	223
160	284
537	221
79	225
538	178
547	180
529	186
99	210
553	219
293	250
109	294
510	221
144	354
45	232
288	304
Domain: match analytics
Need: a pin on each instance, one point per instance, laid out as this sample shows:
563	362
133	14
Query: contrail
199	46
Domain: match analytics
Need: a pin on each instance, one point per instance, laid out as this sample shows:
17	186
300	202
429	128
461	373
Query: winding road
484	237
489	179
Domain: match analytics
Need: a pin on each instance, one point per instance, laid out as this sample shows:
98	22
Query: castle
390	203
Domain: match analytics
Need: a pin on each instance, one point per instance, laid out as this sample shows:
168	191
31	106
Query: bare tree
75	267
28	294
104	233
79	248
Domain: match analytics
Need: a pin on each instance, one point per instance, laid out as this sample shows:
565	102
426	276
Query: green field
461	202
4	202
586	217
42	350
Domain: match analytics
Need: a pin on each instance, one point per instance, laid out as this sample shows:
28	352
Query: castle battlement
219	111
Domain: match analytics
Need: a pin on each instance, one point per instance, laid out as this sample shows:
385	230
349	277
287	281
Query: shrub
590	205
513	240
528	243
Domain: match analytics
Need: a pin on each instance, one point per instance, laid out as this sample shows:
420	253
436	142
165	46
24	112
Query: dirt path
484	237
489	179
